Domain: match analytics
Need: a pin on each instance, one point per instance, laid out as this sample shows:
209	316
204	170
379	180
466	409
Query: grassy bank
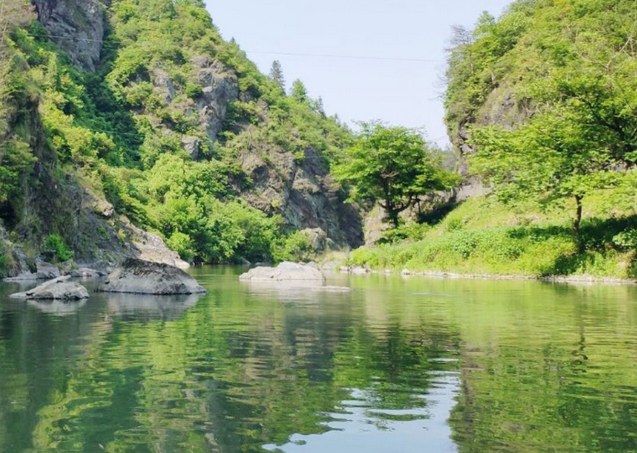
483	237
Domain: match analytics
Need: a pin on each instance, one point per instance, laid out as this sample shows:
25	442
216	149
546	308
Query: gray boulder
137	276
57	289
285	271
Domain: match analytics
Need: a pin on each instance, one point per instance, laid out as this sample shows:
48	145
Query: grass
483	237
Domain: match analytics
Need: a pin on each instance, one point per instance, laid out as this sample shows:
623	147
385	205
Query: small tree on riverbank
392	166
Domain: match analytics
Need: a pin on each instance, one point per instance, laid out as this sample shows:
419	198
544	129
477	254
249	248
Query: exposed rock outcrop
302	191
285	272
57	289
85	272
150	247
137	276
219	88
76	26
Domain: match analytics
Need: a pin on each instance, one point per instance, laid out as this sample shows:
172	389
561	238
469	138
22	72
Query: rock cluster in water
292	276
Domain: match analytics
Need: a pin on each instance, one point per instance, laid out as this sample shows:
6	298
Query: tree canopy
393	166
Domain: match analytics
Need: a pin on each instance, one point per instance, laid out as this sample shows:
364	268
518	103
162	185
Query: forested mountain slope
134	114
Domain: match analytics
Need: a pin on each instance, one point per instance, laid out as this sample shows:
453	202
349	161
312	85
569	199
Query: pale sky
402	93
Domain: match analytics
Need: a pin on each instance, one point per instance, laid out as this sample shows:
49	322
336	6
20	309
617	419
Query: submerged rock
57	289
136	276
57	307
358	270
285	271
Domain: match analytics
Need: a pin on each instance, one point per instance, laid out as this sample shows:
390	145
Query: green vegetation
56	245
123	129
276	74
583	132
482	236
394	166
15	158
542	102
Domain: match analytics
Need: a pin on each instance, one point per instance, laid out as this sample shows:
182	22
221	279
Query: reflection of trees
210	379
550	372
543	367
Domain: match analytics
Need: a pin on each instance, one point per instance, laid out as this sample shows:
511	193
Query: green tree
276	74
394	166
299	92
582	135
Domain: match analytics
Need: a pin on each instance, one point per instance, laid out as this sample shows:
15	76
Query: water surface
397	365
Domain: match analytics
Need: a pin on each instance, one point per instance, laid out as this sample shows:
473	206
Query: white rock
285	271
358	270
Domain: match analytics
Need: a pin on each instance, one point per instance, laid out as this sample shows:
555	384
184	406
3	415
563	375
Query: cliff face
76	26
303	191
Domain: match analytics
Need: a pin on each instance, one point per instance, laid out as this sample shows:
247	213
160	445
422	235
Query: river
399	365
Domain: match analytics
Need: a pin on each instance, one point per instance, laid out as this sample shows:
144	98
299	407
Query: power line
289	54
345	57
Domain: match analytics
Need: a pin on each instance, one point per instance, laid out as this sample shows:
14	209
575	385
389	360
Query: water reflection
144	308
57	307
294	291
359	425
397	365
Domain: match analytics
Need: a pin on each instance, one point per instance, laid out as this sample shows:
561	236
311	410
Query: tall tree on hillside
393	166
299	92
276	74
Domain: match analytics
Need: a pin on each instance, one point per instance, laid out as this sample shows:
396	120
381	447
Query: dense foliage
394	166
548	96
117	129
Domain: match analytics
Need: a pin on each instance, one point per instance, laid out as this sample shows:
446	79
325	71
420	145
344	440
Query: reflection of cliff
232	373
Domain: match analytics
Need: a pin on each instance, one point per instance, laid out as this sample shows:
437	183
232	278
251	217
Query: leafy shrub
296	247
412	231
4	261
55	244
626	239
183	245
193	91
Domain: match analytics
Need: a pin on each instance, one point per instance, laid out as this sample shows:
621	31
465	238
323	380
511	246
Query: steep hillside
542	105
496	70
137	114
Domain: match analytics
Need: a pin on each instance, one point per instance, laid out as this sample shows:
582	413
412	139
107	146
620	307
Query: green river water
396	366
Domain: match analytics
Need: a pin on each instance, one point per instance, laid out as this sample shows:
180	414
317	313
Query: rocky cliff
76	26
149	82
